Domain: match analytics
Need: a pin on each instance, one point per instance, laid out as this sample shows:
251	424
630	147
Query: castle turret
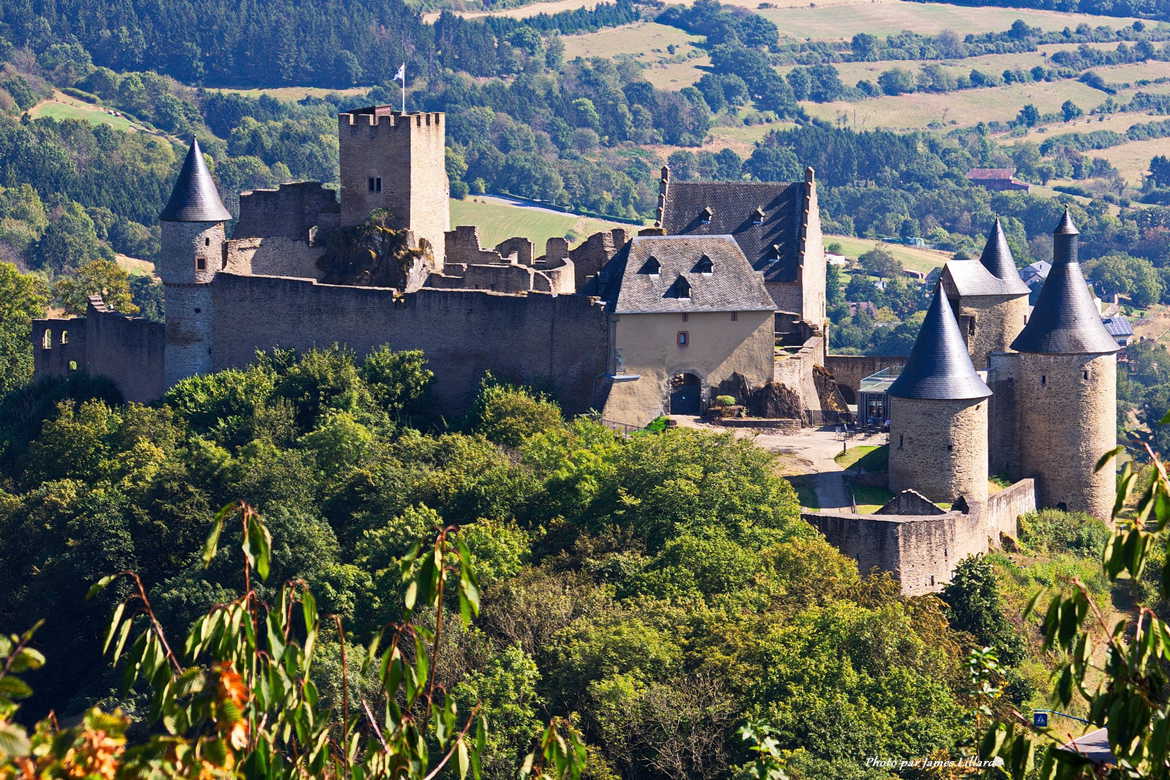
191	253
938	415
1066	386
395	161
989	298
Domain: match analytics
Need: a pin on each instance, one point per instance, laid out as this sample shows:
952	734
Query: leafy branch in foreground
1129	692
237	697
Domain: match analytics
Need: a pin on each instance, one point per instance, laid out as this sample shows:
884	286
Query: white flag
401	74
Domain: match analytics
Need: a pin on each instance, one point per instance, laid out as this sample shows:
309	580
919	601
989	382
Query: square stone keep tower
396	161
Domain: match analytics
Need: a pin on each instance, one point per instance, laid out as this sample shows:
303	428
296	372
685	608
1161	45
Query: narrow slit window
47	340
200	263
64	337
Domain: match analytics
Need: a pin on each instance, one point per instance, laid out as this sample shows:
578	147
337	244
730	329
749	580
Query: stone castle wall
939	448
990	324
272	256
922	551
849	370
291	211
1003	415
127	350
1067	419
559	343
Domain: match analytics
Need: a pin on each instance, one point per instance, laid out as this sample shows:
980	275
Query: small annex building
686	312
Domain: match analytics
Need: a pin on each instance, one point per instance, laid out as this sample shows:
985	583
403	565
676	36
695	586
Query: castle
726	294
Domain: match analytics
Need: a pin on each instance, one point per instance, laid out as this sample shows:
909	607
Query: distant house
835	259
999	179
1120	329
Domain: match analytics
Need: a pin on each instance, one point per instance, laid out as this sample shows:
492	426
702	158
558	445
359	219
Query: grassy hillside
62	106
912	258
498	220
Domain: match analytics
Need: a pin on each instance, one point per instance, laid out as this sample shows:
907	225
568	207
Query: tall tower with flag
396	161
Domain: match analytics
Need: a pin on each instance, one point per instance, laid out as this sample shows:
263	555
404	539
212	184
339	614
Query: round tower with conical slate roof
191	253
938	415
1066	386
989	298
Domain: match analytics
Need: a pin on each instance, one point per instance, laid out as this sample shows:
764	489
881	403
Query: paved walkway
809	452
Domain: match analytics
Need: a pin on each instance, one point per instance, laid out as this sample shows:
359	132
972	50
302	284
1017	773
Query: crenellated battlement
385	116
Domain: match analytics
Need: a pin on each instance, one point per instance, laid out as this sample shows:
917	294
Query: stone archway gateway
684	394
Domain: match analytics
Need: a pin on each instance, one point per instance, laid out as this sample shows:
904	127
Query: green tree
23	297
97	277
974	605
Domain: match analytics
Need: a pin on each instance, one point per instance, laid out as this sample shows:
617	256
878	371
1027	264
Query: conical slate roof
939	367
1065	320
195	197
997	259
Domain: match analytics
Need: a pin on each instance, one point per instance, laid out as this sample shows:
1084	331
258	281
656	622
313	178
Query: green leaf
13	740
211	545
100	585
118	610
14	688
464	759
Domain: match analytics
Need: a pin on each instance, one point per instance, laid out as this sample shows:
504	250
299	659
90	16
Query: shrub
1054	530
724	400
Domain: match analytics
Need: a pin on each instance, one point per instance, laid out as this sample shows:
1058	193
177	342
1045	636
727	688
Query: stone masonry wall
1005	507
939	448
1003	415
289	211
272	256
990	324
1067	407
555	342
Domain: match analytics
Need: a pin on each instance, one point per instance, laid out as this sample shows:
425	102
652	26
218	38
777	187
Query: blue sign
1040	720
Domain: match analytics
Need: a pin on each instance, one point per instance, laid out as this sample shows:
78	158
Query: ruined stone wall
272	256
849	370
788	296
126	350
592	254
289	211
990	324
1067	412
405	156
558	343
813	264
939	448
797	372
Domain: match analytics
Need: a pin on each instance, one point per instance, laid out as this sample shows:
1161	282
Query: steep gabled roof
771	242
1065	321
194	197
939	367
657	274
994	274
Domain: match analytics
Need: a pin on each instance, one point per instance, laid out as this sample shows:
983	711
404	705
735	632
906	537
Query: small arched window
206	242
72	365
47	340
64	337
1043	380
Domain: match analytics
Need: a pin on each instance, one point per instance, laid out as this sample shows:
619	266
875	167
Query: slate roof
733	206
1036	273
1064	320
993	174
629	286
1117	326
994	274
194	197
939	367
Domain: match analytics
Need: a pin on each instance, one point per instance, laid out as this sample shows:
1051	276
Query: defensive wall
922	551
558	343
290	211
849	370
272	256
127	350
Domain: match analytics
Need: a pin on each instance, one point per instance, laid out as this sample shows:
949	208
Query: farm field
292	94
1118	123
523	11
647	43
844	20
134	266
954	109
499	219
912	258
62	106
1133	159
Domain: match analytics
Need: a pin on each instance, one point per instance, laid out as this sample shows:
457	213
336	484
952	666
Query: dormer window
704	266
758	216
680	288
706	215
775	256
651	266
